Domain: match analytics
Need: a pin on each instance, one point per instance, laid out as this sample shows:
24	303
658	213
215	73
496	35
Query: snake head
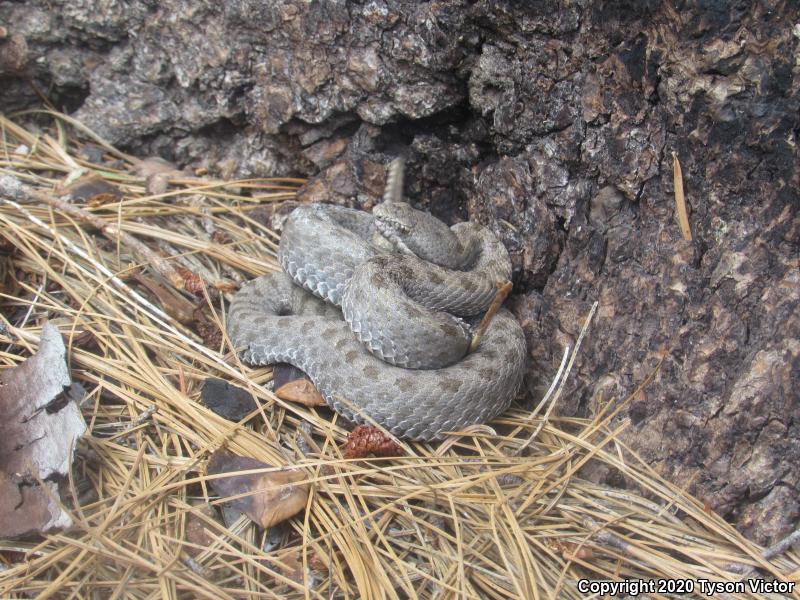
411	231
395	221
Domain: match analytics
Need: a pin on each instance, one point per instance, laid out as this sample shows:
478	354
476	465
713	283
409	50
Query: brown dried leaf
39	427
301	391
267	498
283	373
365	440
93	190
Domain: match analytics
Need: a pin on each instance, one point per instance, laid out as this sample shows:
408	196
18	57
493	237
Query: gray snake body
394	353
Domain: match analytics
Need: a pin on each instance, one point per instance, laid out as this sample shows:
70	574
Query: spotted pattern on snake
378	310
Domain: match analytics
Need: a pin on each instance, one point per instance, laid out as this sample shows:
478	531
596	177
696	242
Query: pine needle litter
137	285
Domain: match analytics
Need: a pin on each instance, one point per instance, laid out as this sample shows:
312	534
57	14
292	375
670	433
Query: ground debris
228	401
292	385
365	440
267	498
39	427
93	190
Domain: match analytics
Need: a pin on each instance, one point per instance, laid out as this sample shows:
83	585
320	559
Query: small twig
503	290
563	380
19	191
175	305
606	537
144	416
111	231
777	548
155	313
783	545
556	380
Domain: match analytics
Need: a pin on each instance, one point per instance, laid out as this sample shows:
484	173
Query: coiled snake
377	334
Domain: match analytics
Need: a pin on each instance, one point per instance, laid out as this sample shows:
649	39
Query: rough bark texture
553	123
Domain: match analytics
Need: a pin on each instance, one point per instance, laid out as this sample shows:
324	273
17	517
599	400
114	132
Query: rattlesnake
398	356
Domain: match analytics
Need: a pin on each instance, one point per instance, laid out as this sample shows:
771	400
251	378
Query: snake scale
379	310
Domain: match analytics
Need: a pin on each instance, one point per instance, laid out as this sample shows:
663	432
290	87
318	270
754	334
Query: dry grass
476	518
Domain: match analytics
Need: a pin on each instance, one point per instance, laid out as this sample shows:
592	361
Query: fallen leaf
226	400
365	440
292	384
93	190
301	391
283	373
267	498
40	424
